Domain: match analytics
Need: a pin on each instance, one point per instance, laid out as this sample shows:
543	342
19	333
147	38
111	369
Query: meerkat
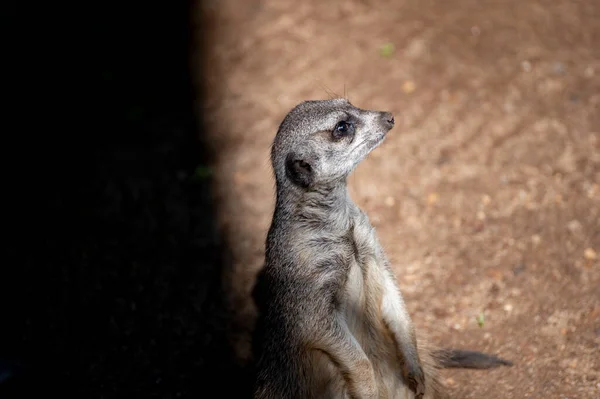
332	322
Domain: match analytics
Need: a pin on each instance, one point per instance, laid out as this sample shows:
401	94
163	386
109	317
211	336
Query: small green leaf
480	319
387	50
202	172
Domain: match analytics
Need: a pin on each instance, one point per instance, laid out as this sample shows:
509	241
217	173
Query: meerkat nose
388	119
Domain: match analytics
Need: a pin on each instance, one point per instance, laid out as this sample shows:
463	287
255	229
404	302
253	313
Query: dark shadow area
111	282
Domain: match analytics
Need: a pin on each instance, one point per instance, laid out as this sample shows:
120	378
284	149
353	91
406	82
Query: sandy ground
486	195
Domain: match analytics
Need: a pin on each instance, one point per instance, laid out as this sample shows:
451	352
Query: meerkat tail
457	358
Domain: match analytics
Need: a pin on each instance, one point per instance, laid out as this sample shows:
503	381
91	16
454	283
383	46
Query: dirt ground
486	195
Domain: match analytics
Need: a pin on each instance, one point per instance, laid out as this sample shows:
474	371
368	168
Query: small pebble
574	97
508	307
390	201
432	198
558	199
526	66
408	86
595	313
592	190
589	72
574	226
590	254
496	274
520	268
559	68
536	239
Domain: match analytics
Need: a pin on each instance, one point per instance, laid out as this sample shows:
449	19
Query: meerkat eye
343	129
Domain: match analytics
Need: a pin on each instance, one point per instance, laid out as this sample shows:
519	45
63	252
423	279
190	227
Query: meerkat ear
299	170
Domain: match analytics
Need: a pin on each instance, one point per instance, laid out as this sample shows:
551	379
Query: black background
111	274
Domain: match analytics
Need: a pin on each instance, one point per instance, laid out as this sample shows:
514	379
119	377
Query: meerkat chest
367	288
364	286
363	290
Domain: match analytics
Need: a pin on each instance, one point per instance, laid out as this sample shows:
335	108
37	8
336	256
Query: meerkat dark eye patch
343	129
298	171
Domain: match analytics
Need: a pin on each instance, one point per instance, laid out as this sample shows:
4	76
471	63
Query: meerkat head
321	142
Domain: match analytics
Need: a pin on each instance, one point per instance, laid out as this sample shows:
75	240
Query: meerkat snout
388	119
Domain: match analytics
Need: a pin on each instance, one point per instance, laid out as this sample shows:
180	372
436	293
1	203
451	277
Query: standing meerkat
332	321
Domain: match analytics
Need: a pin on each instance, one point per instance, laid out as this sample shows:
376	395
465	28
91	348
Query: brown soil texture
486	195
